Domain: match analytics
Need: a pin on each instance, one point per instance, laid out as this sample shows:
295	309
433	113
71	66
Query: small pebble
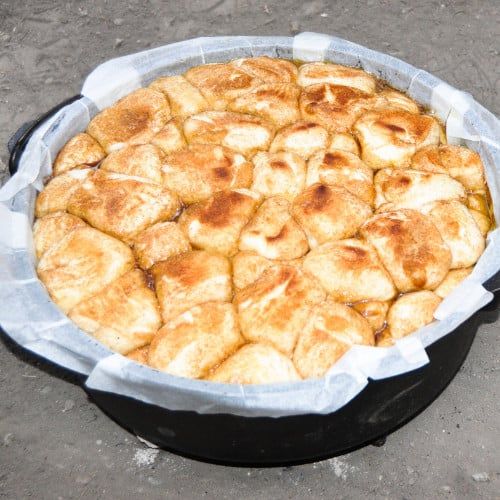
446	489
8	438
118	42
69	404
118	21
46	389
323	14
481	477
294	27
82	479
98	442
49	80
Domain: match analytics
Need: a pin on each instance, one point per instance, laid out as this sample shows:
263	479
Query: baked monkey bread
249	222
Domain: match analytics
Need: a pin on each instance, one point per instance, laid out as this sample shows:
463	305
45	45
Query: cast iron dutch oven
381	408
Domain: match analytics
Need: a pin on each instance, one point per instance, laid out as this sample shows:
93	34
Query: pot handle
17	143
493	284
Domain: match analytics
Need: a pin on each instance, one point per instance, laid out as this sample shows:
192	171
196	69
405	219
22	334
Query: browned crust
269	285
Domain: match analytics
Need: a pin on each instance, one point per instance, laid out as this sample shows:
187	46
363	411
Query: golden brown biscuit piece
374	311
345	142
384	338
401	188
483	221
273	233
51	229
479	209
248	266
459	162
350	271
171	137
389	138
334	107
196	341
186	280
302	138
159	242
184	99
83	263
255	364
134	119
215	224
458	230
274	309
452	280
240	132
121	205
398	100
58	191
322	72
392	99
200	171
276	102
280	173
331	330
340	168
221	83
139	355
410	247
143	160
478	201
124	316
412	311
268	69
329	213
80	151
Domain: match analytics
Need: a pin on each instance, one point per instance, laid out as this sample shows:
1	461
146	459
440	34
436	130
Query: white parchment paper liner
30	318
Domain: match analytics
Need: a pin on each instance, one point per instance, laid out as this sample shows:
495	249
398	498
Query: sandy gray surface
55	443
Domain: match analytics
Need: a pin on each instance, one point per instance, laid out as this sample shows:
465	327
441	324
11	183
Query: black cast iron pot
381	408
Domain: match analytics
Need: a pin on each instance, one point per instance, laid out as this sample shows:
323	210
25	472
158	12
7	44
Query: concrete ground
55	443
